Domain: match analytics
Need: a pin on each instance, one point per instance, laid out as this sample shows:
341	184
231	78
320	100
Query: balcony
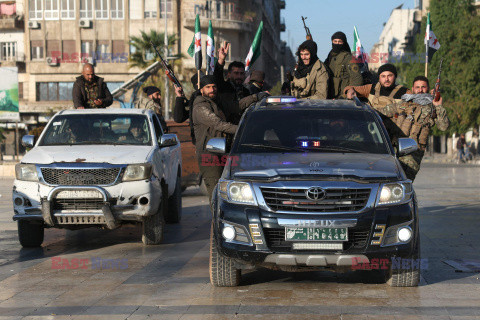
11	22
220	20
282	5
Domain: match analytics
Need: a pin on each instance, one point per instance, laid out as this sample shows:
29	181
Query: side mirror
28	141
217	145
168	140
406	146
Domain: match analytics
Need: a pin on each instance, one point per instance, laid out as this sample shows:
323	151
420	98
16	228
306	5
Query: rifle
307	30
168	70
436	91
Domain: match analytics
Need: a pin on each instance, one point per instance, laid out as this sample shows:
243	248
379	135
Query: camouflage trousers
411	163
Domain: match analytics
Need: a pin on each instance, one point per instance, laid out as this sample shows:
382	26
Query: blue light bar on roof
281	99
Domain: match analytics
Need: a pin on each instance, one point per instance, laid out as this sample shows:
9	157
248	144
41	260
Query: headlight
240	192
135	172
26	172
393	193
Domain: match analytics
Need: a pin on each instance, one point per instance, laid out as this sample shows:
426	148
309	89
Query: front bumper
125	201
371	235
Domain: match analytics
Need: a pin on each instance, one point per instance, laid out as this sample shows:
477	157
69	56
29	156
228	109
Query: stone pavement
170	281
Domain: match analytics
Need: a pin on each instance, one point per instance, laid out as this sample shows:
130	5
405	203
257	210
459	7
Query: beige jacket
314	85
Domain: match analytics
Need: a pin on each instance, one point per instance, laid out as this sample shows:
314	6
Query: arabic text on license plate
316	234
78	194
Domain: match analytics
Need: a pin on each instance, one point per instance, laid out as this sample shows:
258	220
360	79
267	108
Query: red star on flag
248	63
198	43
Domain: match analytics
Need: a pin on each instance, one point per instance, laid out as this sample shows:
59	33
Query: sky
325	17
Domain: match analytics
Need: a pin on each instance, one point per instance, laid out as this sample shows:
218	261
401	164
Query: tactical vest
377	101
415	122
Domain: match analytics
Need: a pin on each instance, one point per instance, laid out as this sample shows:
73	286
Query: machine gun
168	70
307	30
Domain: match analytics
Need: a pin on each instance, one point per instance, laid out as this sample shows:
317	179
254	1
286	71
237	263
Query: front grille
80	219
79	204
335	200
275	238
80	177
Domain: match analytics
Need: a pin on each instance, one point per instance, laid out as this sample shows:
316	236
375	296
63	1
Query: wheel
153	226
30	233
222	269
174	214
406	277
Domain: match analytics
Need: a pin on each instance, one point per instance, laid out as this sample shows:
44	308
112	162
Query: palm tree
144	55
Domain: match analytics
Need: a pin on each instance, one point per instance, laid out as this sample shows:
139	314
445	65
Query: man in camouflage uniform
413	117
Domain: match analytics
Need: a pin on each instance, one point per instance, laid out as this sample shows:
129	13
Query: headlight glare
241	192
392	193
26	172
135	172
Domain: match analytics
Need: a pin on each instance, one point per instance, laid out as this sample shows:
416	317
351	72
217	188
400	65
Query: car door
162	156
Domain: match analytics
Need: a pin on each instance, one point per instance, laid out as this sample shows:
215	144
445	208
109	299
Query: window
116	9
102	48
8	51
101	9
54	91
135	10
20	90
35	9
157	127
53	48
162	8
86	9
112	86
150	9
69	52
68	9
118	51
87	48
51	9
36	47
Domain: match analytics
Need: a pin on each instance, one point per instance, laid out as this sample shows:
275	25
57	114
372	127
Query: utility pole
167	104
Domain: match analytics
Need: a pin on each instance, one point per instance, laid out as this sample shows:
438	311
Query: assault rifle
307	30
436	91
168	70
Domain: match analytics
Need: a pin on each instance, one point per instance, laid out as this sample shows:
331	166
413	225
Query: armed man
385	92
344	71
415	115
210	120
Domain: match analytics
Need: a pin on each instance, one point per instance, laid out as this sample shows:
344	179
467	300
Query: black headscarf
302	69
337	48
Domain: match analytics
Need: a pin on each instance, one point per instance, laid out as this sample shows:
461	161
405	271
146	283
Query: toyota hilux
98	168
313	184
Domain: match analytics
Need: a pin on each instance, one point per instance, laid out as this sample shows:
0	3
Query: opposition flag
255	51
360	55
431	41
210	49
195	48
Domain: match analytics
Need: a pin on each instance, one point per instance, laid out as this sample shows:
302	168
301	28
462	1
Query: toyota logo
315	193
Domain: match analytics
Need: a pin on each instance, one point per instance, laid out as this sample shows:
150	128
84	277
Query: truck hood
261	166
89	153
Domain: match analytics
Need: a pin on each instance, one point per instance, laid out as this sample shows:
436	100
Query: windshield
85	129
311	131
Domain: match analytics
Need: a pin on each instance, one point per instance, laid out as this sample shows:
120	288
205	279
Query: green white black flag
195	48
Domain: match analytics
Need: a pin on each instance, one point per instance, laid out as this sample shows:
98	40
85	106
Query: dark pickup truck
314	184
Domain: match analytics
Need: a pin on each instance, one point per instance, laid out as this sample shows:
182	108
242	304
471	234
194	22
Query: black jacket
80	98
227	86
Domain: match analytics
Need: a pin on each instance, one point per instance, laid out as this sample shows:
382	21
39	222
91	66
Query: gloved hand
262	95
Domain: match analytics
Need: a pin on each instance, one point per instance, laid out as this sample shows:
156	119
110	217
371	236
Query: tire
174	214
405	277
153	226
222	269
30	234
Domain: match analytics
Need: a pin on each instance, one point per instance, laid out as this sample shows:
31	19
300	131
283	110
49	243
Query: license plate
316	234
79	194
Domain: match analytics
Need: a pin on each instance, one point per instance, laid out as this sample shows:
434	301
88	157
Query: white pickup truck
99	167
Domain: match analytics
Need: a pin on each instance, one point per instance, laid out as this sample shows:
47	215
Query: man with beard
414	116
90	91
210	114
310	79
344	72
385	92
235	75
255	84
155	103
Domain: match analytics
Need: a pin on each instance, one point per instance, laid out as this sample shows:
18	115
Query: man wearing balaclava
310	79
345	72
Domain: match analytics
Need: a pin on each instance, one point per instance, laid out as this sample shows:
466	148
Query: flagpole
198	81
